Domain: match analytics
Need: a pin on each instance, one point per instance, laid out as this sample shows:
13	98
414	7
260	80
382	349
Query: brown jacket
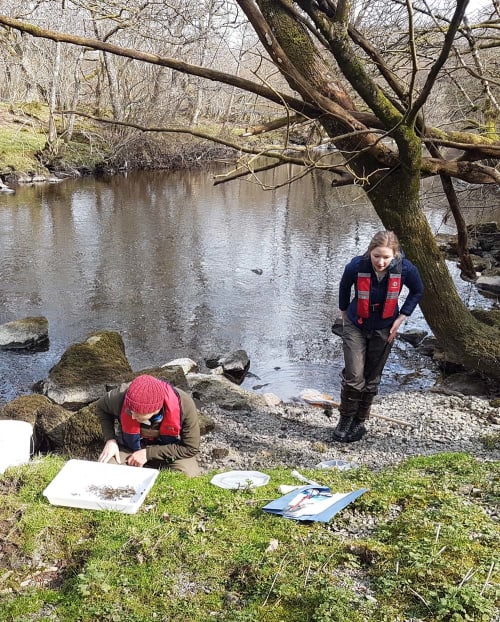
109	407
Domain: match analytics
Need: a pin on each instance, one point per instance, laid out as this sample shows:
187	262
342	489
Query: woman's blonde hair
385	238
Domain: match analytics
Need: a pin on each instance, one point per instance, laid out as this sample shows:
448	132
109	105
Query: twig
486	583
275	579
418	596
471	572
392	420
438	530
307	574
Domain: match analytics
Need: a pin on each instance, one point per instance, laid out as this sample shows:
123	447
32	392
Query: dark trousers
365	355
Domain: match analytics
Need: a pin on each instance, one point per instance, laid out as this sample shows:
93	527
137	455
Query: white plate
234	480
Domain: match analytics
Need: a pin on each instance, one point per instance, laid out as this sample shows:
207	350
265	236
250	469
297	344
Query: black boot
348	410
357	428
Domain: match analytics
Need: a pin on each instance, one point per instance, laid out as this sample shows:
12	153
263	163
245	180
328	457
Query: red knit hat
145	395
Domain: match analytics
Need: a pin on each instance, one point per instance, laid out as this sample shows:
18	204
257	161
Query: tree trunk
53	94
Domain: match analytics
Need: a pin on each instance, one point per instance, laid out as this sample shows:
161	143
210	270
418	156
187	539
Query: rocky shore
299	436
242	429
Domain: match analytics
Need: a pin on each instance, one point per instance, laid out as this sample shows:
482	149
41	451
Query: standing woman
371	320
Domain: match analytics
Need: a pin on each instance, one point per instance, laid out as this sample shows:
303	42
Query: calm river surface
168	260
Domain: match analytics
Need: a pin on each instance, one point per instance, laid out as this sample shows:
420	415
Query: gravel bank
299	436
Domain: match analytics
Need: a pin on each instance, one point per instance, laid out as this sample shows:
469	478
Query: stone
85	369
427	346
271	399
207	424
174	375
233	366
489	284
83	434
25	334
214	389
46	418
481	263
483	228
219	453
466	383
414	337
187	364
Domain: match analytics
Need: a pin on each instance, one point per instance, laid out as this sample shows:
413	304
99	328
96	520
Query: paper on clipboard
319	507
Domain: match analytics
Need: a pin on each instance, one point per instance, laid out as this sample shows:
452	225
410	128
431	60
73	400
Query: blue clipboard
281	506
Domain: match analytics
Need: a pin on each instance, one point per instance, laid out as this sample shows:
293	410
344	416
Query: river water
173	264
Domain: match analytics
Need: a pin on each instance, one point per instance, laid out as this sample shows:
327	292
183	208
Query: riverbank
93	148
300	436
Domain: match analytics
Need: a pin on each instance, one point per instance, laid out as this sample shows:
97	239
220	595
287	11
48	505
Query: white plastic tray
99	486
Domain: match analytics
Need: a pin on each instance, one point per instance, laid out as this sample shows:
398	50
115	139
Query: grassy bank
420	545
93	147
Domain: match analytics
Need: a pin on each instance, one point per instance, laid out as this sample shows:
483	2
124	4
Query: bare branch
436	68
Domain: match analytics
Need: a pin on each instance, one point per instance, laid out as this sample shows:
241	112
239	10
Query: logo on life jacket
394	284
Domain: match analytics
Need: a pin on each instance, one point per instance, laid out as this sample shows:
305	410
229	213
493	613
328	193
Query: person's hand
111	450
138	458
343	315
395	327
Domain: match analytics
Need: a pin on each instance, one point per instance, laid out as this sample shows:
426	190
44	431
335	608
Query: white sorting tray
100	486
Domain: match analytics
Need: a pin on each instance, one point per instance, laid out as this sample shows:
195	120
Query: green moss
100	358
196	552
25	408
490	317
18	150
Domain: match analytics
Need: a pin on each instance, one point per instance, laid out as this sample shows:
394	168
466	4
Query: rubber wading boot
348	410
357	428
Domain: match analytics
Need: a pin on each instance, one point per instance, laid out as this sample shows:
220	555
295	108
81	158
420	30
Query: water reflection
171	262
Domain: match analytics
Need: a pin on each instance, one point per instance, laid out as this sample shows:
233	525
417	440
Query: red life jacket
394	285
170	425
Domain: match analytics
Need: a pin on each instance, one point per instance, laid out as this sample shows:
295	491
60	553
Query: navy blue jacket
410	277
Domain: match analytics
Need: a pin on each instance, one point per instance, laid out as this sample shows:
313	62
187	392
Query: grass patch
421	544
18	146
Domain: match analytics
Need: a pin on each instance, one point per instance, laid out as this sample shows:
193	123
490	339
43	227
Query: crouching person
157	426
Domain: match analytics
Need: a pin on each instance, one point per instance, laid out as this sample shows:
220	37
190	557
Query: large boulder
86	369
47	419
187	364
26	334
217	390
489	282
173	374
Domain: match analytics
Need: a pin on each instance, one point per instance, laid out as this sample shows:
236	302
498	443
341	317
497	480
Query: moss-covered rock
83	435
48	420
490	317
85	369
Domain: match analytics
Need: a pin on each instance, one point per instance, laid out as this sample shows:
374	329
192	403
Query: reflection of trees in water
167	259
